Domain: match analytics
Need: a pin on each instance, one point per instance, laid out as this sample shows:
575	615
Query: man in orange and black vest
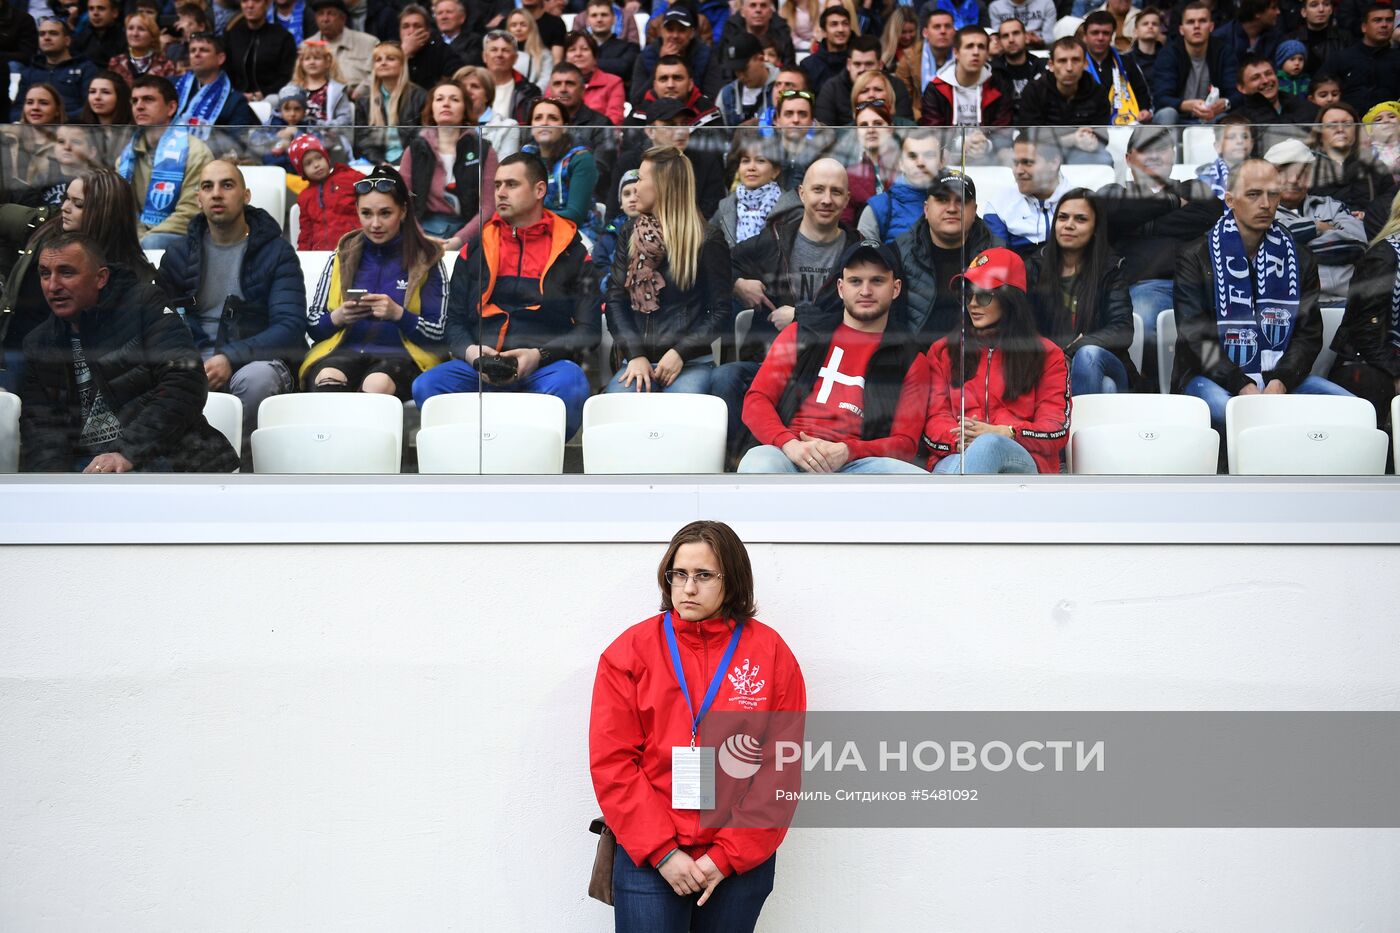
522	309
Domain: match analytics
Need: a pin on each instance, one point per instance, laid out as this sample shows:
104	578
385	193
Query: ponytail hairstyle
682	228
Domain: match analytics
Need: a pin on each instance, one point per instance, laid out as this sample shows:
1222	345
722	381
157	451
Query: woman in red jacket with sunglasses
676	870
998	400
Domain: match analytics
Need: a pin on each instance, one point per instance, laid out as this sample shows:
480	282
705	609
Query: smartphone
355	295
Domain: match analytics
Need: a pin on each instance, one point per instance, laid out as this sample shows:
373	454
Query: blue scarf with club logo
167	173
1256	304
201	106
1217	175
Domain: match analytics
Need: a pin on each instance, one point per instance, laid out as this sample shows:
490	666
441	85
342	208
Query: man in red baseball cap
841	391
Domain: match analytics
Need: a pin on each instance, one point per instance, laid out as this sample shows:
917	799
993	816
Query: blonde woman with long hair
900	35
669	289
1368	339
389	109
317	75
533	60
802	19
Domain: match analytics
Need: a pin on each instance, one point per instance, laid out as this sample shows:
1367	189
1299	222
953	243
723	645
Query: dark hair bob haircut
733	557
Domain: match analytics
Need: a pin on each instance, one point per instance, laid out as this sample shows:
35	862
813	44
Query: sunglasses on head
877	102
382	185
794	92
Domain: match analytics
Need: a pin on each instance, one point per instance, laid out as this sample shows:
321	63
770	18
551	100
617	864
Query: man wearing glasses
55	65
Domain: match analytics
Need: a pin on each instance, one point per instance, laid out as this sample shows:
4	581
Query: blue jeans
694	378
644	903
731	382
563	379
161	240
1217	396
770	459
1094	370
990	453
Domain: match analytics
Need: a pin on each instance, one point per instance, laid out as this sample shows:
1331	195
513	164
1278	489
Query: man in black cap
935	250
844	389
677	39
742	98
353	50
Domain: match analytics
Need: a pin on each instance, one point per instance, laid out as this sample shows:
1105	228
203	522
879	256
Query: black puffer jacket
143	360
920	289
1042	105
1109	324
688	320
1364	333
260	60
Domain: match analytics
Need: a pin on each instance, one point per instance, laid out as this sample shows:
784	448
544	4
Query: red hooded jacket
328	209
1040	417
639	715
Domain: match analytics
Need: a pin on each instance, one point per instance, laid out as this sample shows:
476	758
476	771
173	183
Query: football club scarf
201	106
1256	304
1217	175
1394	241
167	173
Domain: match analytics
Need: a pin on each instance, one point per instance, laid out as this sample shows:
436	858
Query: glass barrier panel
671	295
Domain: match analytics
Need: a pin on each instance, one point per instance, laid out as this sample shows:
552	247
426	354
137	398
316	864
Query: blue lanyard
714	684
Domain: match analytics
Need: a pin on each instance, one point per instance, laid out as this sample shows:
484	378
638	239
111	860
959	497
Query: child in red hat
328	203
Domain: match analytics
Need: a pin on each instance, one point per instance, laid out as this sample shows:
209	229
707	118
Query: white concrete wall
393	737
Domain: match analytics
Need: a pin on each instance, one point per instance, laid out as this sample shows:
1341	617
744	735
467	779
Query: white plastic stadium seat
268	185
225	413
1395	420
990	181
743	323
294	224
1134	413
298	448
1331	320
1310	450
1166	349
1142	449
262	109
1092	177
642	432
1183	172
492	432
604	363
1310	415
329	432
568	19
313	263
642	19
1118	139
9	432
1066	26
153	256
1198	145
1135	347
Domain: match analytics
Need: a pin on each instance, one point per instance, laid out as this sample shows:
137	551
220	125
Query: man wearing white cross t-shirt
841	391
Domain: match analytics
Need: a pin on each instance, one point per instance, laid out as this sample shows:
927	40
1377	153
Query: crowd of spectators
816	163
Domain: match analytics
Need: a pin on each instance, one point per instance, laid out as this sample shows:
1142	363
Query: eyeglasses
794	92
877	102
201	36
382	185
701	577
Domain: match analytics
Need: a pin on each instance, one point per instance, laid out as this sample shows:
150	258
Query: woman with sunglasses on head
1081	299
997	398
876	86
377	312
670	285
387	113
447	167
573	174
656	685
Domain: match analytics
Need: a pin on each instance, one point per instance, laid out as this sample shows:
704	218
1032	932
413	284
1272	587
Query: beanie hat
301	146
1287	49
628	178
1389	106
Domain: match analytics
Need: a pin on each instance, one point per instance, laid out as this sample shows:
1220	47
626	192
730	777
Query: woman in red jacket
999	391
674	870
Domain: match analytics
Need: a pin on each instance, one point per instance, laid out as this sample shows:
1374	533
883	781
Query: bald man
792	263
1246	299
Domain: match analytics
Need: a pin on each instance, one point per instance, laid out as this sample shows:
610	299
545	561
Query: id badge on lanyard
693	768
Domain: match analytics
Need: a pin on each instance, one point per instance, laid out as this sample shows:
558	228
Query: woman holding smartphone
377	313
704	652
